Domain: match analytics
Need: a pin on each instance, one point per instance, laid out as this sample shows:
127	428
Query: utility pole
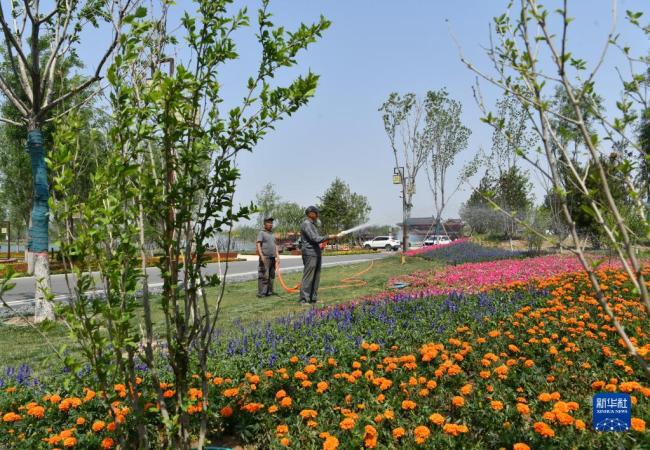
6	229
399	178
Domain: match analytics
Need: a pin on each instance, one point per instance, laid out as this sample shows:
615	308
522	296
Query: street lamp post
399	178
6	229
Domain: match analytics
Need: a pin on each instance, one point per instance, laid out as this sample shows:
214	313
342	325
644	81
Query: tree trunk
37	244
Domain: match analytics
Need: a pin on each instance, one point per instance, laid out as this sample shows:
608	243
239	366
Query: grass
22	345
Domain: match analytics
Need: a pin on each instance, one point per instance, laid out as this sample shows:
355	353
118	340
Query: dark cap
269	219
312	209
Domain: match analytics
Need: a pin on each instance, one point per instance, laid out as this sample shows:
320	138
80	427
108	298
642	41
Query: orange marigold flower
437	419
331	443
597	385
280	394
226	411
285	442
502	371
66	433
54	399
370	437
272	409
70	442
458	401
322	386
107	443
523	409
286	402
312	423
453	429
98	426
398	433
347	423
11	417
293	359
421	434
232	392
496	405
89	395
408	405
520	446
544	397
389	415
308	414
80	421
36	411
281	429
195	394
111	426
638	424
252	407
564	418
542	429
579	424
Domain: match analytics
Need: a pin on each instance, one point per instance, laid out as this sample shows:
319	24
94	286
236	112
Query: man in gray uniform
311	256
269	259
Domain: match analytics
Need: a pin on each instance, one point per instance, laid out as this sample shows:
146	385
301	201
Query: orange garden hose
347	282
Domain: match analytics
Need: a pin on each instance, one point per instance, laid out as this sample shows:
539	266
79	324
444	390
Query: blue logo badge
612	412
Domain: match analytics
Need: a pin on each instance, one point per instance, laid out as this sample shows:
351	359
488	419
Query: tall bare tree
410	136
450	137
36	42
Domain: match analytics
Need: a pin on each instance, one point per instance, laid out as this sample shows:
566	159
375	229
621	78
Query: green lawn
21	344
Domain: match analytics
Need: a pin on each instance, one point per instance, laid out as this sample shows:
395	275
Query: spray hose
346	283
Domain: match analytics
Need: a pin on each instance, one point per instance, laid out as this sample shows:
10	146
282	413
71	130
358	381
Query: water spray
353	229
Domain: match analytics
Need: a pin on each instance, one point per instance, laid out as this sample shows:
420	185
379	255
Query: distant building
421	227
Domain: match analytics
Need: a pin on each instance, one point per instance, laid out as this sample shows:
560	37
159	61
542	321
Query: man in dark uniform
311	256
269	259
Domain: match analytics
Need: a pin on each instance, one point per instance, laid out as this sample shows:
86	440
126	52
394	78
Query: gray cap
312	209
269	219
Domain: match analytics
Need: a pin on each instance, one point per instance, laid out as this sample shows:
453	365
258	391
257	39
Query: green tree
172	167
499	203
288	217
513	195
341	209
266	203
477	211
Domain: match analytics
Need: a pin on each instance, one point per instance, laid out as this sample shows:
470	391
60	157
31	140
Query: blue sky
375	47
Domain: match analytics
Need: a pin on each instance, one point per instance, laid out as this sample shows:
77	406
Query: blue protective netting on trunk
38	232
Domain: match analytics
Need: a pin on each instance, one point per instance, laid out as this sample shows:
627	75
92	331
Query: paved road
22	295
